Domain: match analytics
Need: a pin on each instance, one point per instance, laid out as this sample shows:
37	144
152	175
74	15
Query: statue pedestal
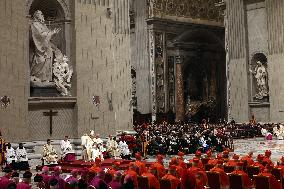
43	89
44	92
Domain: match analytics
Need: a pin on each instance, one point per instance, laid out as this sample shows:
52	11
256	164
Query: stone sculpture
261	76
42	67
62	74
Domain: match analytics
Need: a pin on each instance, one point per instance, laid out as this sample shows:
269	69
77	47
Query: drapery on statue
42	67
261	76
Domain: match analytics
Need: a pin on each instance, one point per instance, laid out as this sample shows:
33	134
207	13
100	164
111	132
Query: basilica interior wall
14	69
275	21
102	56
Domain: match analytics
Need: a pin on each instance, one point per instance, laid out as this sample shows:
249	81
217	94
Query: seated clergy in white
124	150
49	153
112	147
66	146
278	131
22	157
10	155
96	153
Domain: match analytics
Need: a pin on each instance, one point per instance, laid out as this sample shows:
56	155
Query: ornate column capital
179	59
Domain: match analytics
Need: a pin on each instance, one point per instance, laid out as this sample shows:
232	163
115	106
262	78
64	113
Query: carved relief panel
196	9
171	83
159	65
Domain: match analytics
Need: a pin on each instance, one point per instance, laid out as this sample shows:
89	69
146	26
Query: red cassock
182	164
261	167
274	184
223	176
4	182
133	174
141	166
200	164
161	171
174	180
181	172
248	159
189	181
247	181
153	181
282	170
46	178
212	162
268	161
201	181
95	169
231	163
23	185
111	171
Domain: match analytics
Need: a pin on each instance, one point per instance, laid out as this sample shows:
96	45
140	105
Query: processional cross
50	114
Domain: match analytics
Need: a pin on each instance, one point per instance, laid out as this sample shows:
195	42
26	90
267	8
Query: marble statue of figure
41	63
261	76
62	74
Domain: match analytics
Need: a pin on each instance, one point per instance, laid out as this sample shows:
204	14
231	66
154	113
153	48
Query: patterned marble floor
258	146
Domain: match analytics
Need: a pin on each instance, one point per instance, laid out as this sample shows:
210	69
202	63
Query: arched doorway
204	75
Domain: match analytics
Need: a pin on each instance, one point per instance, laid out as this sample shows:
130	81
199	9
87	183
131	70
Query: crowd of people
180	173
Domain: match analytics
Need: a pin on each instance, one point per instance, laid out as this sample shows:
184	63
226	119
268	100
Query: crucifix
50	114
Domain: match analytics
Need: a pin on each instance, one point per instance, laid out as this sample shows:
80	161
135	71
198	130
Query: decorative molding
160	73
171	83
152	72
195	9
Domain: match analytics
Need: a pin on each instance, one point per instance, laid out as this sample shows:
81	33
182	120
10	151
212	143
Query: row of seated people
179	174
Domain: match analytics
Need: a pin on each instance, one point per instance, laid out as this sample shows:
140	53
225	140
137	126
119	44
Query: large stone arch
191	34
203	71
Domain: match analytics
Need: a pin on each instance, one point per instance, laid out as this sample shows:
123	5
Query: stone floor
260	145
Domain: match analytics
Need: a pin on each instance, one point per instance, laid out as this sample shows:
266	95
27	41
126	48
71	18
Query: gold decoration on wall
195	9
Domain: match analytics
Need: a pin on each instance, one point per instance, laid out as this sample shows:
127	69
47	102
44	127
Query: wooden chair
143	182
262	182
245	165
208	167
214	181
204	161
229	169
189	165
277	173
251	170
236	181
165	184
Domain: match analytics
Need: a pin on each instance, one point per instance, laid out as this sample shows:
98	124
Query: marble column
180	105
